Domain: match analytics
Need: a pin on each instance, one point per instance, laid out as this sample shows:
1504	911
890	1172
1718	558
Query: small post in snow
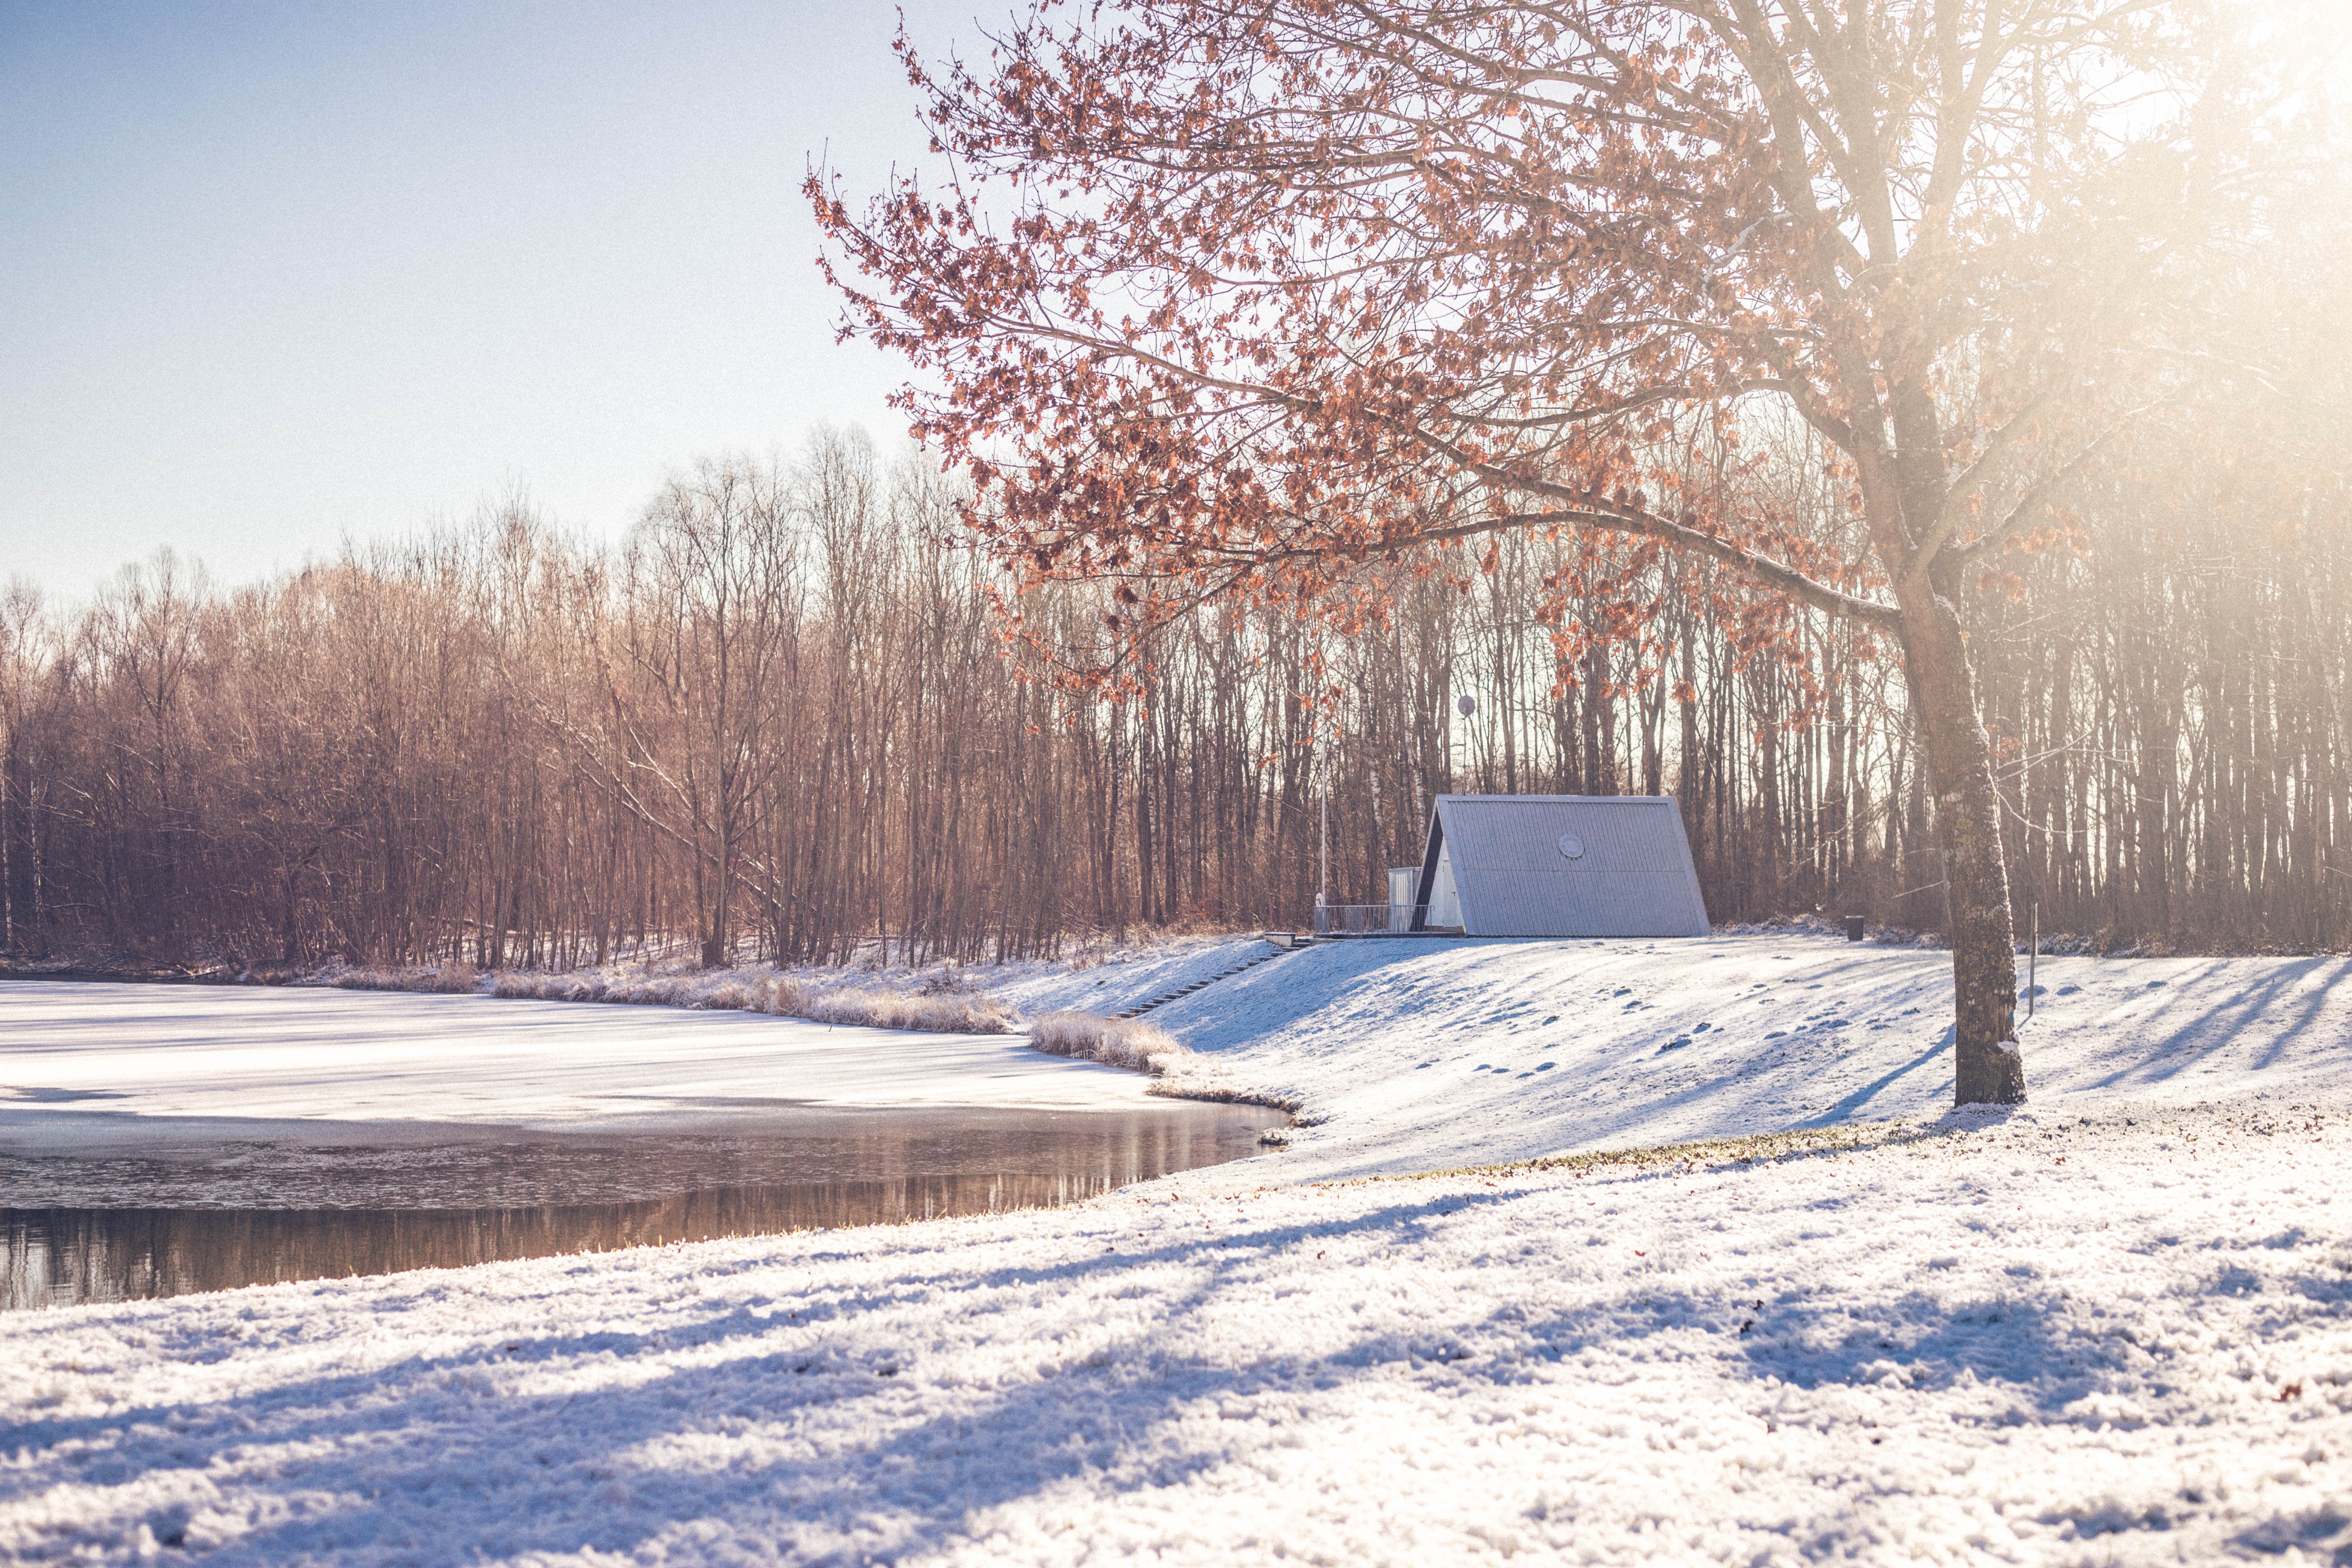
2032	954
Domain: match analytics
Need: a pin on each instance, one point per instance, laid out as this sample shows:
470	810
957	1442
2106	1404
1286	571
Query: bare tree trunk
1987	1068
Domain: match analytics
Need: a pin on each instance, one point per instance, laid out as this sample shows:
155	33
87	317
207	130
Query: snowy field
2113	1327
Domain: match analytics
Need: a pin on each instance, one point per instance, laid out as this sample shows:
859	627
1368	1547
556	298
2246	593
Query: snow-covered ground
2114	1326
1120	979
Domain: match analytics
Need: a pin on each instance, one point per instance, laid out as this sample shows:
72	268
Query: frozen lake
161	1140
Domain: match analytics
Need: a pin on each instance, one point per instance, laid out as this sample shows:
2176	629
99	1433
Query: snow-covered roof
1565	865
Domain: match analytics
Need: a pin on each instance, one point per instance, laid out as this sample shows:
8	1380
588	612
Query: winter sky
278	274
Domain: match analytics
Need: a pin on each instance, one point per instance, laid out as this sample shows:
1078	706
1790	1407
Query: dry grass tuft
958	1015
649	990
775	994
588	986
1128	1043
374	979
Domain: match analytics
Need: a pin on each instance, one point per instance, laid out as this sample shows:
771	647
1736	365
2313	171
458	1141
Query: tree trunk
289	936
1987	1068
718	941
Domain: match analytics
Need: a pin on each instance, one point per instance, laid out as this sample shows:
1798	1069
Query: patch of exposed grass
1708	1153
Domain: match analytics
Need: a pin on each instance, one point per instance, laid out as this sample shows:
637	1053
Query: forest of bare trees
784	718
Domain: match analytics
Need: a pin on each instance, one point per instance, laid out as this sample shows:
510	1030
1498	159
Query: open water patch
189	1213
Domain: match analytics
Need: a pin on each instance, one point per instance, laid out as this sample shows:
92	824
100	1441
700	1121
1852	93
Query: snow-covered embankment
1414	1055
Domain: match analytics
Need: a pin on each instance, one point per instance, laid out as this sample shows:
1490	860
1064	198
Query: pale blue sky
272	274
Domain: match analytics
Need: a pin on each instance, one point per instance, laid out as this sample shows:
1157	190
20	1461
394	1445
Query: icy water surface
214	1213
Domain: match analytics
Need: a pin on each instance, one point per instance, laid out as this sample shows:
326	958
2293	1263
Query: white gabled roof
1629	873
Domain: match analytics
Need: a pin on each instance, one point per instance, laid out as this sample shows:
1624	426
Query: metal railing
1368	919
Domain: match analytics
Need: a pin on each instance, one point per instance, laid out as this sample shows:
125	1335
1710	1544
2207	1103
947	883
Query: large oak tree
1235	296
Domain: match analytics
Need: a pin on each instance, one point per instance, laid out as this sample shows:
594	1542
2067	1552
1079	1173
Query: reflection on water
377	1209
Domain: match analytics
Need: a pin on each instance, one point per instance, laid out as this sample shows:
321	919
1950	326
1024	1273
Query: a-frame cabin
1558	865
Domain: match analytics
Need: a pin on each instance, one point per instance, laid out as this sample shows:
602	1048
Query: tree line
795	715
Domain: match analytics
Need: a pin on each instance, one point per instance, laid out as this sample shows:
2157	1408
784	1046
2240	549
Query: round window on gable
1571	845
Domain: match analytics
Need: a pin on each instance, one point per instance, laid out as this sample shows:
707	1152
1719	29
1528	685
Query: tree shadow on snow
2188	1034
426	1453
1845	1108
1921	1342
779	1425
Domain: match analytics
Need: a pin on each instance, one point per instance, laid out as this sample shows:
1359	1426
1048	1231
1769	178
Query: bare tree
26	653
711	628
